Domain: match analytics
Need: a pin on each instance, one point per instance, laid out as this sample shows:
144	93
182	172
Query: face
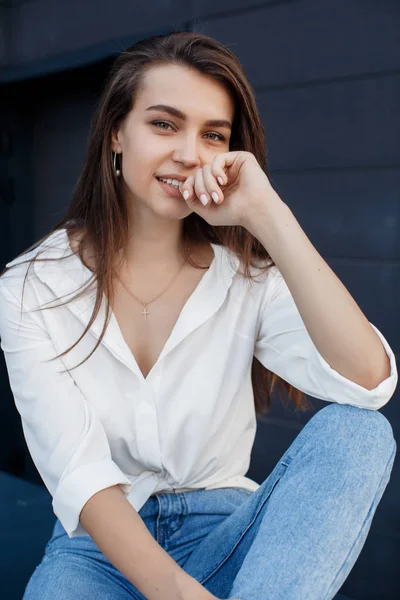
156	143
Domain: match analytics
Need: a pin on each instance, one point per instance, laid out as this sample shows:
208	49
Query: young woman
187	285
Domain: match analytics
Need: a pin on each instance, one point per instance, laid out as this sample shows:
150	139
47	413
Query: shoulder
24	268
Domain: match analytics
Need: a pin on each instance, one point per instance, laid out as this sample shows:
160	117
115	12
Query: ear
115	140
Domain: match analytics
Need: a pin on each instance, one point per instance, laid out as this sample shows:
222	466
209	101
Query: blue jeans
297	537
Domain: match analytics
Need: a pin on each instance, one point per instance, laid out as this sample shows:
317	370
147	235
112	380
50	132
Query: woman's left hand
242	191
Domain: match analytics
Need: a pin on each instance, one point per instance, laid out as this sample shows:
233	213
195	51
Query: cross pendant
145	313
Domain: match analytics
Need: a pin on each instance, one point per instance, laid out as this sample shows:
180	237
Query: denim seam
215	569
184	506
158	520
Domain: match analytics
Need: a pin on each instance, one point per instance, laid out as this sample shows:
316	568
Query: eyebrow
180	115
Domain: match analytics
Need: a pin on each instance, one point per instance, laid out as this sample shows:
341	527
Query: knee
366	432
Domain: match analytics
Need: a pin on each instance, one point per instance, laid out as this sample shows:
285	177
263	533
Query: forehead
195	94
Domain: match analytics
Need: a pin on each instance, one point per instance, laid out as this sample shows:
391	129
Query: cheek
145	157
138	166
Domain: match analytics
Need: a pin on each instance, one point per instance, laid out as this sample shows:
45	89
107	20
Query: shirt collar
66	277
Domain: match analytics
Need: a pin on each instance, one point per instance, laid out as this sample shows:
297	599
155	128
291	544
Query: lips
170	190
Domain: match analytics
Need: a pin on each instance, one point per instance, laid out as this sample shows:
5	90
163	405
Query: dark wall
327	82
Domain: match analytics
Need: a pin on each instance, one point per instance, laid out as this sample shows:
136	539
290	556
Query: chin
168	207
173	212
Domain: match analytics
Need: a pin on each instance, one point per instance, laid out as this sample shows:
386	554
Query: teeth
174	182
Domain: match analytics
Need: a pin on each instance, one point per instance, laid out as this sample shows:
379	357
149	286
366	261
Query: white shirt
191	422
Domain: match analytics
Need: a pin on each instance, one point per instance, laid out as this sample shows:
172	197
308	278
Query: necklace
145	312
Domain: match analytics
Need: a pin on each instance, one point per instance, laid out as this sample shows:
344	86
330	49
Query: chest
146	331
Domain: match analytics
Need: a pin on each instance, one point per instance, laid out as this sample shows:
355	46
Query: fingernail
203	199
220	180
186	194
215	196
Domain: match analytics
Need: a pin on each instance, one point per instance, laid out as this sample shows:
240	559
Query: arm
121	535
335	323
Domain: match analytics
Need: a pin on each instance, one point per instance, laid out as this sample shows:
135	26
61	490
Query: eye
220	138
156	123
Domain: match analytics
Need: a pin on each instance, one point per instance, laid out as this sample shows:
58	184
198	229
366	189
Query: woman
144	438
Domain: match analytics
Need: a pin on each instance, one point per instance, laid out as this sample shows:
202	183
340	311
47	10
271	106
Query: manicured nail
203	199
215	197
186	194
220	180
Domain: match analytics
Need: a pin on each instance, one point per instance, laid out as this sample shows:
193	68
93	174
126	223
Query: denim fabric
296	538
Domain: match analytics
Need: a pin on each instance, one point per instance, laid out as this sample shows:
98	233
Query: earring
117	171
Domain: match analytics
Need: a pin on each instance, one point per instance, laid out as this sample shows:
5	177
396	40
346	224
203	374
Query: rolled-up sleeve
284	346
64	435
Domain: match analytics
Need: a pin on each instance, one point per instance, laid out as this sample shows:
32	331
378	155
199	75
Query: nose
187	152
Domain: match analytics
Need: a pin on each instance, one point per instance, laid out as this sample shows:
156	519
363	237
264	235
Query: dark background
327	81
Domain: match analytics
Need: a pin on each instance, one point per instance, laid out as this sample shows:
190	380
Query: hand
243	187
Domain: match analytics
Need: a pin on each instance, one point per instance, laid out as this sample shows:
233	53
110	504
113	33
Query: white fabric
191	422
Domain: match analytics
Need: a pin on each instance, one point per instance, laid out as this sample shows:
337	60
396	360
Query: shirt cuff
75	489
344	391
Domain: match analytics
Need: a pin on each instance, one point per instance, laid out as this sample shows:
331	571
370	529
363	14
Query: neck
164	249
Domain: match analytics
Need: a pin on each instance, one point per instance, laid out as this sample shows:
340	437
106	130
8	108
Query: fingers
186	188
200	188
212	185
204	186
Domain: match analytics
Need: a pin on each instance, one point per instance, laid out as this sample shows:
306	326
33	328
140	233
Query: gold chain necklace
145	312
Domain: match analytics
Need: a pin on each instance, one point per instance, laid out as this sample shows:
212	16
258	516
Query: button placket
147	431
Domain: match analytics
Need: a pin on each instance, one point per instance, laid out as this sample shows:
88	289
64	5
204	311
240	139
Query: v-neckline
205	300
189	300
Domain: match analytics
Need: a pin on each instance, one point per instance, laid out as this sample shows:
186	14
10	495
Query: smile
174	182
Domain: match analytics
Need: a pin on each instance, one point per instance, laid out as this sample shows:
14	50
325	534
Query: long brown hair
98	211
